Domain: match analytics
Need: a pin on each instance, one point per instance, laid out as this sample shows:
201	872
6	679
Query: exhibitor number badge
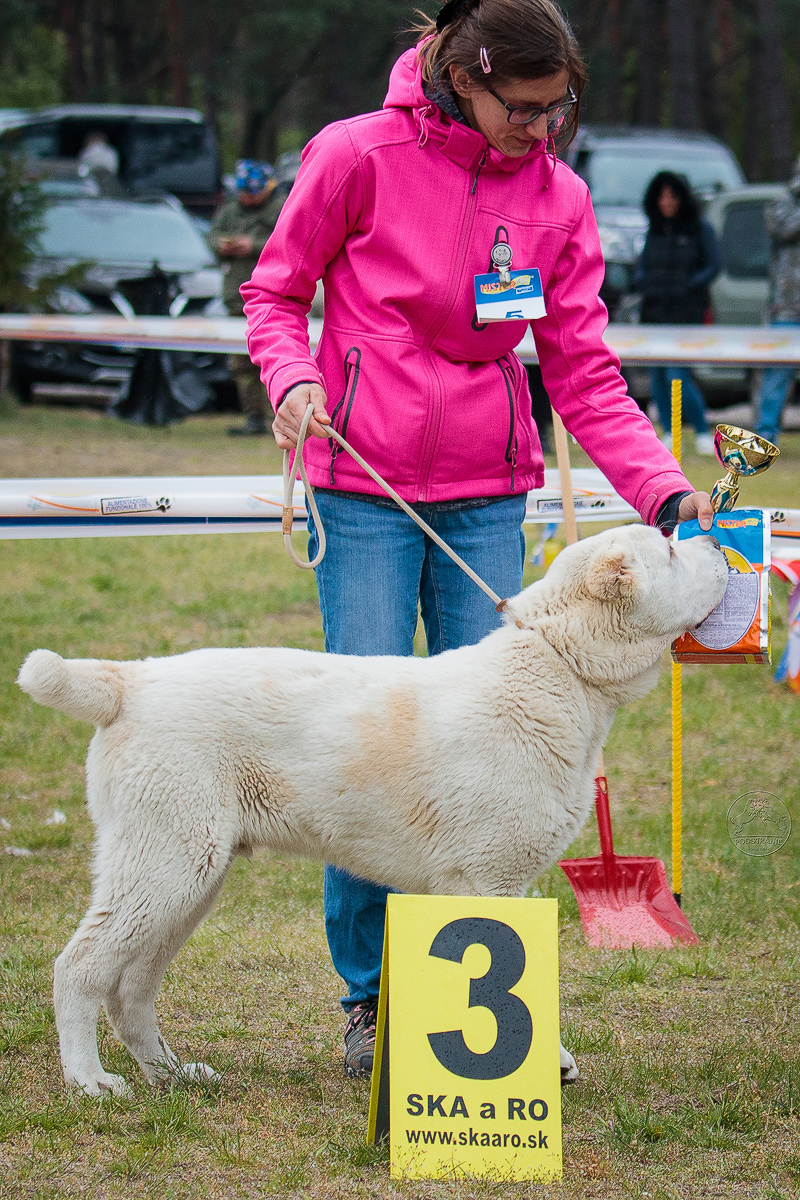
519	298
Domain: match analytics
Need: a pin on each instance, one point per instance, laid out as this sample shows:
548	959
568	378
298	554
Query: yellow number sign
467	1077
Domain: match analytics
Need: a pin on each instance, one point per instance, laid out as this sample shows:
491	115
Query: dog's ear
610	576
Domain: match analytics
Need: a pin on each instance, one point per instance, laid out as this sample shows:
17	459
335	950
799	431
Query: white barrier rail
636	345
130	507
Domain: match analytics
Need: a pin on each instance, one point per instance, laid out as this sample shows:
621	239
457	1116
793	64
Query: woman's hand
286	425
698	506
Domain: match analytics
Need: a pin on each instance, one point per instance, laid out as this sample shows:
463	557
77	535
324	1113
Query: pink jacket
397	211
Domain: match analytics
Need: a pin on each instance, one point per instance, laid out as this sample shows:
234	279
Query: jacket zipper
352	370
481	165
511	444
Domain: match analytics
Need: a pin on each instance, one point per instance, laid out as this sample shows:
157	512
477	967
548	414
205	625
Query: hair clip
487	66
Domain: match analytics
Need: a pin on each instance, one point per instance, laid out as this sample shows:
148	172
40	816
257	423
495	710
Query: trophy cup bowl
740	452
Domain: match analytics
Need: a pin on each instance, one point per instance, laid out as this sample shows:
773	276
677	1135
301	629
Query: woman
679	260
398	211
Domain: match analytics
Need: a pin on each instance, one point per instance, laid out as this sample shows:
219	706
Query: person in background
679	260
783	226
98	154
238	235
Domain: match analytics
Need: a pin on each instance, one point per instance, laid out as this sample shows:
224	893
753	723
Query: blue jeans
692	403
379	567
776	385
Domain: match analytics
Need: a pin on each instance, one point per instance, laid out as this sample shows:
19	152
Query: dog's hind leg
130	1004
80	978
138	920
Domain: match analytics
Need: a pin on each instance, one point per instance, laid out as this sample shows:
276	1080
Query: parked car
739	294
160	149
140	257
618	162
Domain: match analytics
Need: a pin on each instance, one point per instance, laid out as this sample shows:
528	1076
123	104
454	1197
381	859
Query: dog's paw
569	1068
102	1085
196	1073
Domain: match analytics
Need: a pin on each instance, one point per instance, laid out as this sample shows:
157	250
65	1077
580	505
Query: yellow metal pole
677	726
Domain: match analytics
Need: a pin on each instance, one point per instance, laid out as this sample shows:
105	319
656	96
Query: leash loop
289	476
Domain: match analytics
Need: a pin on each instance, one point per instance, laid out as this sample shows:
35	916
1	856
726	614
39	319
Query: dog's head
613	602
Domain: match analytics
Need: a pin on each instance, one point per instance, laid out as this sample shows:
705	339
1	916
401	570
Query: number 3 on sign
467	1078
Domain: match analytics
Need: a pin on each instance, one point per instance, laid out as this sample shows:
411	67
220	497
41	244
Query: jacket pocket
507	371
340	417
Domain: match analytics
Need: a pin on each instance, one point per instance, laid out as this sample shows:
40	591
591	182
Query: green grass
690	1057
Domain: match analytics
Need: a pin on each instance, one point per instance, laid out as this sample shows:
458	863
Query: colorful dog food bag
738	630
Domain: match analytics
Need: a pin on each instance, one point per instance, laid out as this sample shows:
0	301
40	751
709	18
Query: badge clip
501	259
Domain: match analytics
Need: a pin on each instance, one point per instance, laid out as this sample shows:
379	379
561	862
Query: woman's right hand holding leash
289	416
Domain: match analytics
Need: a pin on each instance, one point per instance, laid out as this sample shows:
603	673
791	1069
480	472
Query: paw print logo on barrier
163	503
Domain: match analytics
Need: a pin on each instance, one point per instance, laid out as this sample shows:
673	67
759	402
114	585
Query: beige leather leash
289	475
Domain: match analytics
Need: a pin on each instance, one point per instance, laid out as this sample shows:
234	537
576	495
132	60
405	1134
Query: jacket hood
460	143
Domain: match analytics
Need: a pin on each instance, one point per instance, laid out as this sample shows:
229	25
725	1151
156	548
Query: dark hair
523	39
689	211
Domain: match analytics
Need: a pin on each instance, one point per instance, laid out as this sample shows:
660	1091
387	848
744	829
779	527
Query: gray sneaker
359	1039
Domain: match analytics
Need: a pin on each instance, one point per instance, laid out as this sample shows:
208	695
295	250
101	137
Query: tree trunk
683	64
648	70
125	58
68	14
753	148
709	71
725	39
614	88
776	102
97	58
210	99
178	73
254	123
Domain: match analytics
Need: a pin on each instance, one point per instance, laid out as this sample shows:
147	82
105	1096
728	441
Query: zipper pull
481	165
513	463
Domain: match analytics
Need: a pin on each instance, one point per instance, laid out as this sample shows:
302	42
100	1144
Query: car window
618	175
175	156
123	233
35	141
745	241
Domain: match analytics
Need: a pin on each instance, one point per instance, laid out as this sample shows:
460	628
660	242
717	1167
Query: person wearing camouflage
237	236
783	226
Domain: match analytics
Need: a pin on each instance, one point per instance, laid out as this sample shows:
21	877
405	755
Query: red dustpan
626	901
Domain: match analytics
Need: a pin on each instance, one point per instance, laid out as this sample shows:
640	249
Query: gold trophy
740	452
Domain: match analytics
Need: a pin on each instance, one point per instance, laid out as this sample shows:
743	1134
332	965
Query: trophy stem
725	493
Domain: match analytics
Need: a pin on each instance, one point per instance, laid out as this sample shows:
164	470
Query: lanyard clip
501	259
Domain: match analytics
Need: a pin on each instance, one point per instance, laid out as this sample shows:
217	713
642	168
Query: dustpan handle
604	821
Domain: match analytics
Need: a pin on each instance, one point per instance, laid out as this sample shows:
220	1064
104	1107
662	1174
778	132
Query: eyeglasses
521	114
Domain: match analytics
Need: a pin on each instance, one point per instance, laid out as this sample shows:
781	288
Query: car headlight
65	299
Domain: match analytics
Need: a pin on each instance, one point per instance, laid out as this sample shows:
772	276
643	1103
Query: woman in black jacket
679	260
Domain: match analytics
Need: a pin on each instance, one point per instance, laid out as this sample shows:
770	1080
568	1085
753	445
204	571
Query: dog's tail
89	689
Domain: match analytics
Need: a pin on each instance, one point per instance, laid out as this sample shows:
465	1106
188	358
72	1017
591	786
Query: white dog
468	773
